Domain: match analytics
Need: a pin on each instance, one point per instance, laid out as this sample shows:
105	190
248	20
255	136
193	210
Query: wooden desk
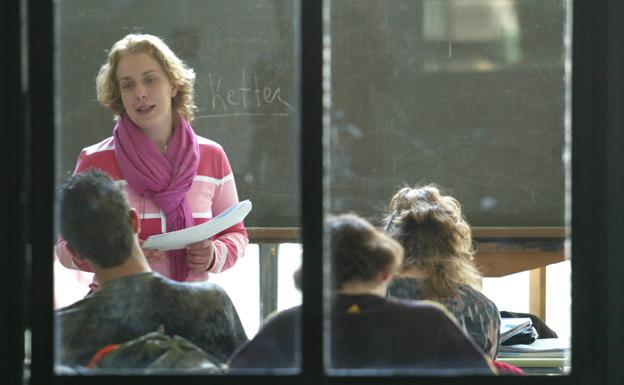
500	251
507	250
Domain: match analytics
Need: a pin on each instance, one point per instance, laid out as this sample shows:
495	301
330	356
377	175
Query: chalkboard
480	113
243	55
468	95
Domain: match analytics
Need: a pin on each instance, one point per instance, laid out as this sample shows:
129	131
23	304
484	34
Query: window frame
597	182
13	214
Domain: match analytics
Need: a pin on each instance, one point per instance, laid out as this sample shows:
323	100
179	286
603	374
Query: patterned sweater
213	190
477	314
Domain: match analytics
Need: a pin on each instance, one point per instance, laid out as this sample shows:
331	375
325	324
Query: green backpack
156	351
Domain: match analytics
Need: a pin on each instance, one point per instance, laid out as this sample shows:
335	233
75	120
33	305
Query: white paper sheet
181	238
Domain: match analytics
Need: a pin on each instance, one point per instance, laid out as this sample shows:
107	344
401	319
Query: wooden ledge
500	250
293	234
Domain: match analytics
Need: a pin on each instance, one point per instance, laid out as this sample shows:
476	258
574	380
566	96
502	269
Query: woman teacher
173	177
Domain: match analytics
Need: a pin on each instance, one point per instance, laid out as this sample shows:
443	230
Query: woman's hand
153	255
200	256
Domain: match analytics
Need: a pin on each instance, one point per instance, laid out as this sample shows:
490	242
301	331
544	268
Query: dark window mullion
588	204
13	208
40	124
598	191
311	115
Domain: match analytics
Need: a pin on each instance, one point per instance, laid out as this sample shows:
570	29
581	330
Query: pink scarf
164	178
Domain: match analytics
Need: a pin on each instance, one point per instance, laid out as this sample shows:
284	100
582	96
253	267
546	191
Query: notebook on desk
512	326
544	346
546	353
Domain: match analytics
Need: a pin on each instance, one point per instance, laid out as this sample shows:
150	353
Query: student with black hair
99	226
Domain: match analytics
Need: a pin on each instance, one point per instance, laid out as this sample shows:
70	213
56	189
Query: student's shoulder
283	316
201	290
474	296
414	304
79	313
406	287
280	325
273	346
419	308
195	295
69	311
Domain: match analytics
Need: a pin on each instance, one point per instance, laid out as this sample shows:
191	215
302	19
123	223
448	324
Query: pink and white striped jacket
212	191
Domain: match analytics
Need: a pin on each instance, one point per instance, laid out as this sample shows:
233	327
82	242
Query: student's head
359	252
436	238
96	219
180	76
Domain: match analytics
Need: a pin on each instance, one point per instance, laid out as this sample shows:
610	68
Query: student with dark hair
100	227
438	263
369	331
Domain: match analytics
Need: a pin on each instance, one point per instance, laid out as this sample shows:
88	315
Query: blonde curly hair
436	238
178	73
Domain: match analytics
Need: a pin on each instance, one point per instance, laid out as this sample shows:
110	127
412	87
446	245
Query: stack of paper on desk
543	353
546	347
512	326
182	238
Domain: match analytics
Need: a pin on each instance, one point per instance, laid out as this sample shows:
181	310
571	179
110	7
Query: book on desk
511	327
543	356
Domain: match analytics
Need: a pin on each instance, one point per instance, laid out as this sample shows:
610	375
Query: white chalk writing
248	98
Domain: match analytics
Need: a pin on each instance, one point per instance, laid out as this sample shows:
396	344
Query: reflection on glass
157	106
468	95
476	35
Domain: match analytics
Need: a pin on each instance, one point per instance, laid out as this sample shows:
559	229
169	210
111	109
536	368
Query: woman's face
146	92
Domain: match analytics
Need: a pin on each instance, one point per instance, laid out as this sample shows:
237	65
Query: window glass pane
470	96
289	290
178	166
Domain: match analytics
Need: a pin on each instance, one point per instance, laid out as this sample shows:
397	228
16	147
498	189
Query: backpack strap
100	354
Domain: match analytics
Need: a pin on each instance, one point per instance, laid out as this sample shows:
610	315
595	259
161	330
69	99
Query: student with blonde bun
438	263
